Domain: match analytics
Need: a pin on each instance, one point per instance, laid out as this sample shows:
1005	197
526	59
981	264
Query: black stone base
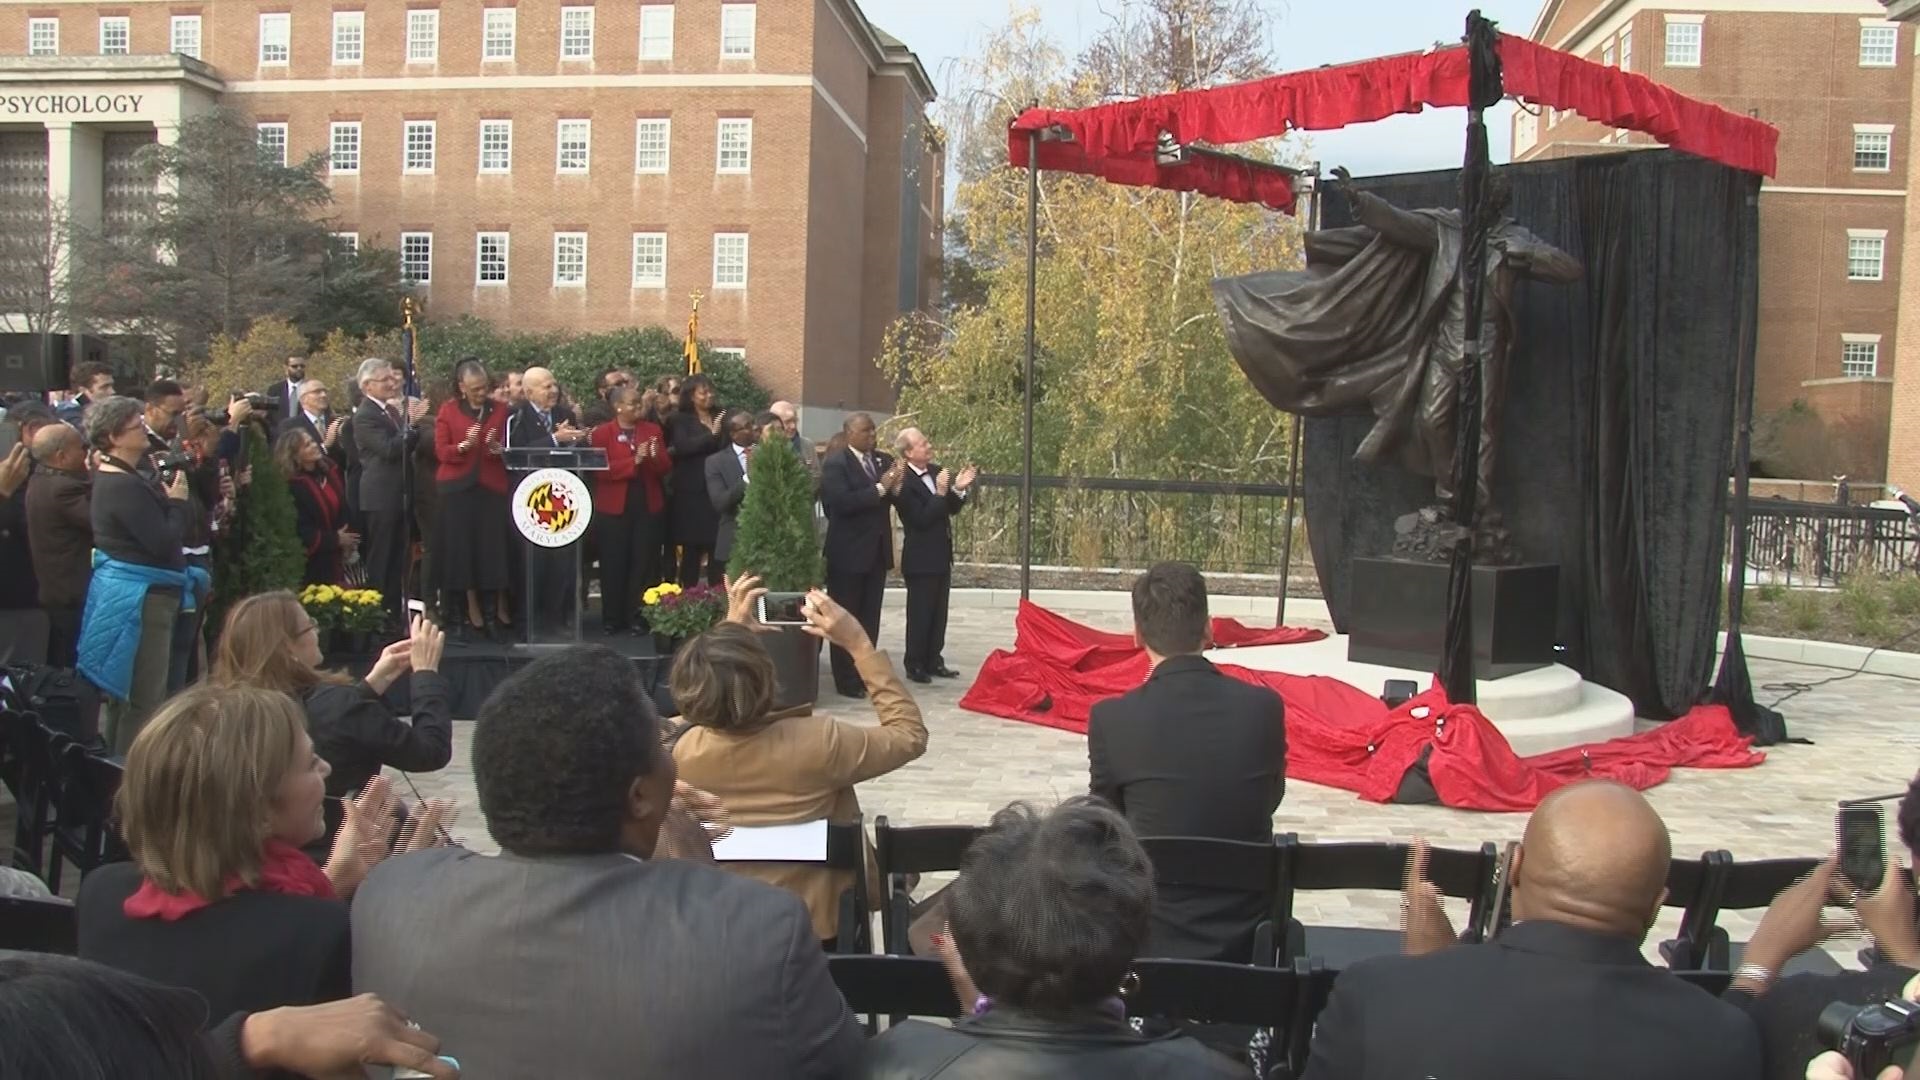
1399	616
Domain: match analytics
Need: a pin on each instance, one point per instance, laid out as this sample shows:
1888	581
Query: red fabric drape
1340	735
1117	141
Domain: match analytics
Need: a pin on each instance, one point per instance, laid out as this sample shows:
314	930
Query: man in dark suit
384	432
726	476
286	392
929	497
1563	992
314	415
856	486
1193	752
60	534
553	573
627	958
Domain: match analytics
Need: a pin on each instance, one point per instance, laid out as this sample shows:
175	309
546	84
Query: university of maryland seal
552	508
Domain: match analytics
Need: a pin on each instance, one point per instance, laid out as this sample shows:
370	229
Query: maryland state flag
693	338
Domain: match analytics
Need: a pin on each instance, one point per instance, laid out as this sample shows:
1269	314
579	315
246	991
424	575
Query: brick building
1836	77
542	163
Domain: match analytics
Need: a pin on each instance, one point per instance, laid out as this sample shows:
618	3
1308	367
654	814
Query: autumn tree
1132	375
34	263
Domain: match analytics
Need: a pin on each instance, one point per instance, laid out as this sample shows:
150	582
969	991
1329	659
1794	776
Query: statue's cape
1354	332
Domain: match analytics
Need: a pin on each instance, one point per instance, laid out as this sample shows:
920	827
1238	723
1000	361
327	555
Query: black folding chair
1752	886
46	925
1377	867
1201	862
1242	995
919	849
1693	885
39	752
1713	982
83	831
895	986
846	850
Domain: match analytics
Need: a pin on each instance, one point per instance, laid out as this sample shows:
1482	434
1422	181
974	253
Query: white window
733	352
1626	48
349	36
116	35
417	149
184	35
496	34
43	37
652	145
490	260
572	145
736	31
1879	45
1526	128
496	146
273	141
736	146
344	243
1866	254
276	31
344	142
649	260
1606	54
730	260
1872	147
656	31
416	257
1859	356
569	259
423	35
1683	43
576	33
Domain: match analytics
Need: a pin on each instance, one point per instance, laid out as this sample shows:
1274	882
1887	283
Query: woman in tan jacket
788	767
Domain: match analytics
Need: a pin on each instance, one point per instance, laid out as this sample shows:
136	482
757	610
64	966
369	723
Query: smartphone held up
781	609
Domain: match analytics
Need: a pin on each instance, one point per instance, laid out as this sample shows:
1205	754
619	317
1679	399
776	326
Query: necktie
866	462
394	412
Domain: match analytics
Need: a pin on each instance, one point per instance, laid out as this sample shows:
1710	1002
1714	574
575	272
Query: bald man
1565	992
543	420
60	534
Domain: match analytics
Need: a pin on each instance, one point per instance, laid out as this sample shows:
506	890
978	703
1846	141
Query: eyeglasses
311	628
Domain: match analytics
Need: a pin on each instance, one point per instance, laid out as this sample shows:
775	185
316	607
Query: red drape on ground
1338	734
1118	141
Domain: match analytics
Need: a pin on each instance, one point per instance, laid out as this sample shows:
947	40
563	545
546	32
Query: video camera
170	465
1872	1037
263	407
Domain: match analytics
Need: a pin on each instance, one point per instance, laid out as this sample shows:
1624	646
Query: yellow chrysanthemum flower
651	596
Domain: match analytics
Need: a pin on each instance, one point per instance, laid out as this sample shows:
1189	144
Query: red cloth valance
1118	141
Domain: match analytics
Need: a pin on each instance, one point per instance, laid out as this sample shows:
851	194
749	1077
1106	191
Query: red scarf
284	869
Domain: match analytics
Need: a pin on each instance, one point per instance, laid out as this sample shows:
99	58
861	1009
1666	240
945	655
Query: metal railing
1800	543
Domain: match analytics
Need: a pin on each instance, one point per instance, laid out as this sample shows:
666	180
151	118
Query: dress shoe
919	677
853	691
945	672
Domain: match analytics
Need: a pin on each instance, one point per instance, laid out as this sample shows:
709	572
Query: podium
551	507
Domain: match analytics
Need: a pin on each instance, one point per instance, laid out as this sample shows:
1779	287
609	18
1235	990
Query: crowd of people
284	910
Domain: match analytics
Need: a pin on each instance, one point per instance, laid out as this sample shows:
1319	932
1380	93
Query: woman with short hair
141	578
271	643
319	507
1046	917
783	768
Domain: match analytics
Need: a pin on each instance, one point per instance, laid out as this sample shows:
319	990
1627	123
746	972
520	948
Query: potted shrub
676	614
349	616
775	539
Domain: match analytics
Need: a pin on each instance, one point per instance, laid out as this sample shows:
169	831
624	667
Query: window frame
576	10
334	130
507	126
1698	43
44	22
745	260
512	21
666	144
174	25
350	28
1876	237
737	123
1626	47
656	11
634	269
735	351
347	240
480	239
430	17
407	129
284	20
1850	342
752	14
560	146
1882	132
568	236
1892	47
416	235
281	126
124	23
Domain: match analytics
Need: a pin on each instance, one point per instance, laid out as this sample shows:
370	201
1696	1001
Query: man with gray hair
384	433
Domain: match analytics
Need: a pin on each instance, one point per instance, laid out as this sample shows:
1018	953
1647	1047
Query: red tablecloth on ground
1338	734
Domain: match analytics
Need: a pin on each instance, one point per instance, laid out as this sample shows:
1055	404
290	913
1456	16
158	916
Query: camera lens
1835	1020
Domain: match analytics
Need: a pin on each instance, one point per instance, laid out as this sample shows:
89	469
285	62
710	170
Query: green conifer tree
775	537
261	550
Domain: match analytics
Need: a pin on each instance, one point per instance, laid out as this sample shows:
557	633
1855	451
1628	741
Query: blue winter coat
110	628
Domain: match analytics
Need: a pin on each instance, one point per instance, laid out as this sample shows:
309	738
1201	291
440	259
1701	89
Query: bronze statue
1375	323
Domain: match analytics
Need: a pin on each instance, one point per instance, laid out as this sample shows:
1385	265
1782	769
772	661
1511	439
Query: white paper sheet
805	842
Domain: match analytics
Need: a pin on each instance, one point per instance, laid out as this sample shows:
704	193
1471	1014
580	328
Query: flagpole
410	388
693	336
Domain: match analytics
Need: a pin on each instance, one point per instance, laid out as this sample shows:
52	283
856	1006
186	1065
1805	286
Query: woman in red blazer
628	507
470	537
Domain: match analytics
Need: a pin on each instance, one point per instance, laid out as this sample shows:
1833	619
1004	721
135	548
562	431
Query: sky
1301	34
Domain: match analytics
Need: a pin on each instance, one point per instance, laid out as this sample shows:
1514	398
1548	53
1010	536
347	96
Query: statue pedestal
1398	616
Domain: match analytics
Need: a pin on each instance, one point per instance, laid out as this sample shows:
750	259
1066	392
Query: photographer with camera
141	578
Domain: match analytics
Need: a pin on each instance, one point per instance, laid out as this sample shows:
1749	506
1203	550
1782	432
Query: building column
76	187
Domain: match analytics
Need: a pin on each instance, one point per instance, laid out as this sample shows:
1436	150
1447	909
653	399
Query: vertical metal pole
1026	375
1293	453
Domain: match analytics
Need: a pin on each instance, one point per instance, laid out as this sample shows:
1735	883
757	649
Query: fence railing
1126	524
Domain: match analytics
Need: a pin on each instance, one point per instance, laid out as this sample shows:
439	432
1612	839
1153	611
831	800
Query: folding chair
895	986
1752	886
1692	885
1713	982
83	832
1241	995
845	849
1378	867
45	925
1202	862
920	849
39	753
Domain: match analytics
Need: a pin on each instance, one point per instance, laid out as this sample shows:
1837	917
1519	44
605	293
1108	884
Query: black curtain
1619	415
